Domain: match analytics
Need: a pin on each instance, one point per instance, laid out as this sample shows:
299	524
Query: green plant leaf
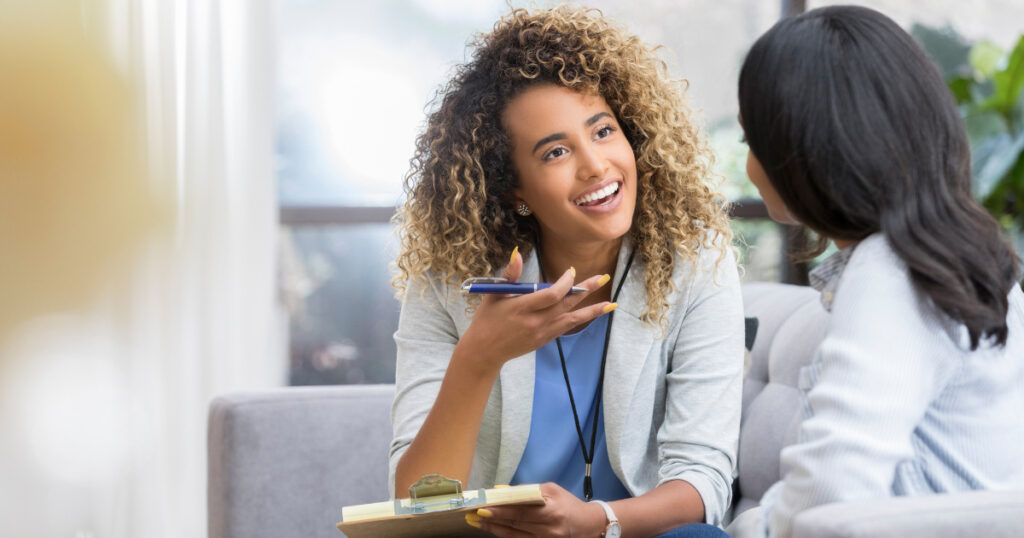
984	57
1016	117
993	160
961	88
1008	81
1006	201
983	124
982	91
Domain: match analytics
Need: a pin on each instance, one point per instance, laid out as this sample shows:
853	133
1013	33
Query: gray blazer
671	400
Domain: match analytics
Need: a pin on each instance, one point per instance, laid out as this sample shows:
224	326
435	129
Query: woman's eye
557	152
605	132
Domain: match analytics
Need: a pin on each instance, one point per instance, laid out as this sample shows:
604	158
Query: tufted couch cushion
791	325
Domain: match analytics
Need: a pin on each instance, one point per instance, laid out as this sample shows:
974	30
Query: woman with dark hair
918	385
563	144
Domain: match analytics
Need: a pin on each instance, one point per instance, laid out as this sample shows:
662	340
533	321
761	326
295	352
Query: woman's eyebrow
593	119
549	138
562	136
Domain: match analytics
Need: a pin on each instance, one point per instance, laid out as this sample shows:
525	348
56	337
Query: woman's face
576	170
777	209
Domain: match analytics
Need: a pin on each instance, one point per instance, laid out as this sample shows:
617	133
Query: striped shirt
894	402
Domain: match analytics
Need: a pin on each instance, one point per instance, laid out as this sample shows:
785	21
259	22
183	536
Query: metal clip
482	280
435	493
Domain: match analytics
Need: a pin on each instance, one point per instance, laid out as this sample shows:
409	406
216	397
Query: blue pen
486	284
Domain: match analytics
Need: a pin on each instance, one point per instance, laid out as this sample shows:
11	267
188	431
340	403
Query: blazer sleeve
698	439
425	340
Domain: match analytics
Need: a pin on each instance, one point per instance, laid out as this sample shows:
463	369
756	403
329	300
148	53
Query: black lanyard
588	456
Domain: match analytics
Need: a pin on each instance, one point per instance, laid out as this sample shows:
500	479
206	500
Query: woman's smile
603	197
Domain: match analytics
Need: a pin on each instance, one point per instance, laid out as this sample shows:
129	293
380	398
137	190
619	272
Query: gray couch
283	462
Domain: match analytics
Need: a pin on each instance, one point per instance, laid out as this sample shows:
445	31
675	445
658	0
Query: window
354	85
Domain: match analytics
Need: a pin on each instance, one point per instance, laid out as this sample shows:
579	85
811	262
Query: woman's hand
502	328
563	514
506	327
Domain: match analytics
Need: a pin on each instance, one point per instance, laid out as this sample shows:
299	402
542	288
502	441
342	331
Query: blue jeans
695	530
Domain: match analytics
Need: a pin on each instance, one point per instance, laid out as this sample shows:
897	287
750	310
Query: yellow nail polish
499	486
473	521
573	271
514	252
609	307
483	512
604	280
472	516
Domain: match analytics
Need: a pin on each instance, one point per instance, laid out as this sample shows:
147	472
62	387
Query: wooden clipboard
436	507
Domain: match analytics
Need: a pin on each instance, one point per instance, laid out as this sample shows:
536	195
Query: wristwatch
613	530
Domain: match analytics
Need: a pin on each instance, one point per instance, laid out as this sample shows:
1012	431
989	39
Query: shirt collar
825	277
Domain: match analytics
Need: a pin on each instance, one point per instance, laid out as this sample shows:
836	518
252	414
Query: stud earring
523	210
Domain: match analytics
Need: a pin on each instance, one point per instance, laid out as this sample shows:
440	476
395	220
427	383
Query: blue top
552	452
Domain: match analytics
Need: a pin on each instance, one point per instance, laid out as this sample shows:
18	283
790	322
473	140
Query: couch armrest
282	462
975	513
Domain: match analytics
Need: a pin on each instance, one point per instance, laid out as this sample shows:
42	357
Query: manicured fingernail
473	520
499	486
514	252
609	307
483	512
573	271
604	280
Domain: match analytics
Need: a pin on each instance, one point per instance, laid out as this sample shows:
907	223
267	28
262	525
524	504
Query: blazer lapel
516	379
628	350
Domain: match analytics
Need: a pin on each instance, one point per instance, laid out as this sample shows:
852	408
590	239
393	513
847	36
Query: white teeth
598	194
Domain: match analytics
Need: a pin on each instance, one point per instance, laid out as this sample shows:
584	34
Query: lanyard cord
588	457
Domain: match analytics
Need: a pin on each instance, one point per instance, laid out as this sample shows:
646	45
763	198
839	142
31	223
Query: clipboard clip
436	493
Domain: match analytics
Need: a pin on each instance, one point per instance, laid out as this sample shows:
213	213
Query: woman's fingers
583	315
502	531
548	297
560	314
514	267
591	284
511	521
512	272
558	293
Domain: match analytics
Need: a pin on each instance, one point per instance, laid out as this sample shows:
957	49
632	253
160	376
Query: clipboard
436	507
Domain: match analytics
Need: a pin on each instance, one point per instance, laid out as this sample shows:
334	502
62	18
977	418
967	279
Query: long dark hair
858	134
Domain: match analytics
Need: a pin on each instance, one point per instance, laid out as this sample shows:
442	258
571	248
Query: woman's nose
591	163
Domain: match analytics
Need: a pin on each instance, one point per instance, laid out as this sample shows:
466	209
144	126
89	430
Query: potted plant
987	83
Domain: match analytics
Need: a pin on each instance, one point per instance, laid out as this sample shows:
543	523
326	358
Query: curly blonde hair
458	219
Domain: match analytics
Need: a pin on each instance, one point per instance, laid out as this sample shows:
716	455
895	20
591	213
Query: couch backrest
283	462
791	324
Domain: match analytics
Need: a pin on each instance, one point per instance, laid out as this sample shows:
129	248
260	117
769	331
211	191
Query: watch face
613	530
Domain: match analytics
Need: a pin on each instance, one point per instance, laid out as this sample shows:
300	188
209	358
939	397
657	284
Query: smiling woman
564	139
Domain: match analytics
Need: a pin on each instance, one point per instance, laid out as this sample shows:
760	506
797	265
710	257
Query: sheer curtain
115	395
204	318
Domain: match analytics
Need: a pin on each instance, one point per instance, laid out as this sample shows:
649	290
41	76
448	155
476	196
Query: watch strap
607	511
